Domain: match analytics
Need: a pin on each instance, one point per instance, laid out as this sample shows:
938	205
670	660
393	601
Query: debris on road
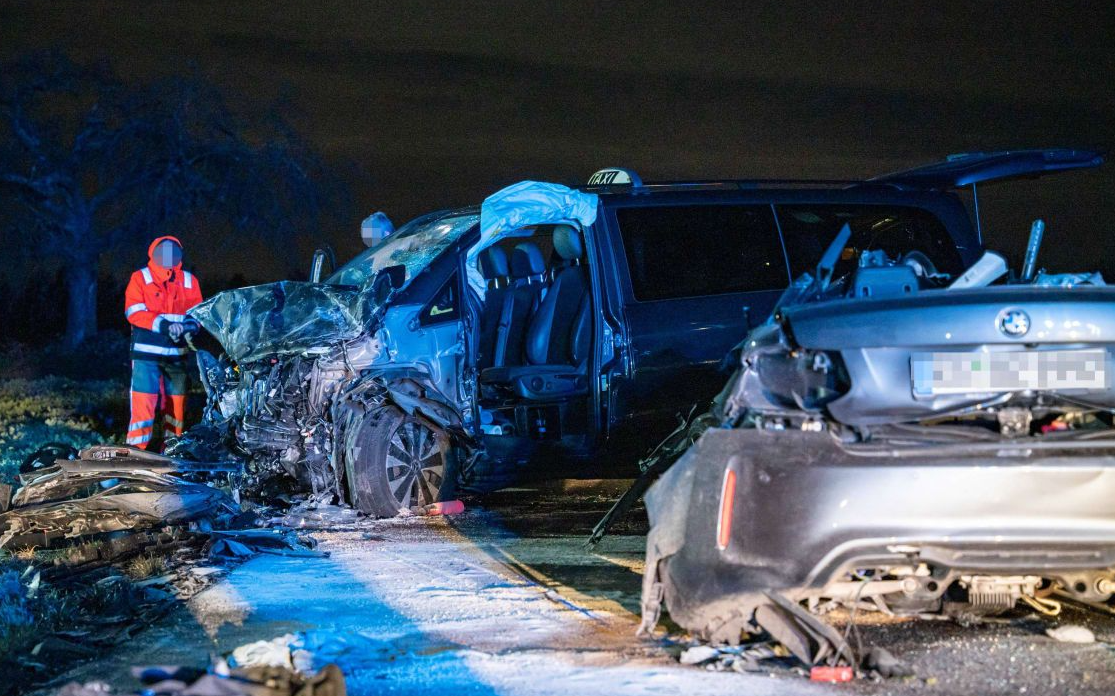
219	680
315	512
244	543
748	657
833	675
698	654
1071	633
109	542
449	507
882	662
111	489
308	652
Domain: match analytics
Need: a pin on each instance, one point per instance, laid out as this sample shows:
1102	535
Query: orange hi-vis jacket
156	298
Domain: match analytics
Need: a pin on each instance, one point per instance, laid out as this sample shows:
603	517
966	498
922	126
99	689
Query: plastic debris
698	654
264	653
87	689
1071	633
449	507
832	675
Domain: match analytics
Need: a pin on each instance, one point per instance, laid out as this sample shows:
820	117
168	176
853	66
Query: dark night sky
441	105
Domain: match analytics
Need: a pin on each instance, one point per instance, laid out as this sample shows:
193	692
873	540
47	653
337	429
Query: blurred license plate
962	373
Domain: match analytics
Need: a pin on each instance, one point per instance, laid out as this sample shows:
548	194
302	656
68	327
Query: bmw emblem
1014	322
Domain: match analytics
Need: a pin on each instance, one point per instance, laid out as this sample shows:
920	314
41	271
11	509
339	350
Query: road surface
504	599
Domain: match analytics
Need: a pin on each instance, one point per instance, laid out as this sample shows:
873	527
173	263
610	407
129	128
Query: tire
396	461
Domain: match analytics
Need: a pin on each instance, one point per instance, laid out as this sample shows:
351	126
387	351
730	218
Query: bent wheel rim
415	464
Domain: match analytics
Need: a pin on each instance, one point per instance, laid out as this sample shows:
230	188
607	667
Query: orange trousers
157	386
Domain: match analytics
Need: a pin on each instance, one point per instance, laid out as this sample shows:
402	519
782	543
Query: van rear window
698	250
897	230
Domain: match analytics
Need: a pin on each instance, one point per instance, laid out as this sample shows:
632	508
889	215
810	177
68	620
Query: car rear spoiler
970	168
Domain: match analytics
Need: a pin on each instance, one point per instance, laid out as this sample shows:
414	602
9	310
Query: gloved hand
175	331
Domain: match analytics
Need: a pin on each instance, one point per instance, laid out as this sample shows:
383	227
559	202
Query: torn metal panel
80	498
285	318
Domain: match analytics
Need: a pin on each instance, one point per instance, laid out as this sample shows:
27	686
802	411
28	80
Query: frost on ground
34	412
413	606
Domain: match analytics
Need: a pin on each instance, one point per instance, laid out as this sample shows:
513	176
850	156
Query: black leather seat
497	272
558	339
518	304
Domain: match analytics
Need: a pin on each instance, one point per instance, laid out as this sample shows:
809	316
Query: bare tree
93	163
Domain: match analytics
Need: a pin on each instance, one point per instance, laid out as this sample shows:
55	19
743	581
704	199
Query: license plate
1007	371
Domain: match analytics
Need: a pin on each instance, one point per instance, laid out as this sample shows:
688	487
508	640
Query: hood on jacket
162	273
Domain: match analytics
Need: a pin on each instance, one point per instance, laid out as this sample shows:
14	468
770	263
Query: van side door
695	277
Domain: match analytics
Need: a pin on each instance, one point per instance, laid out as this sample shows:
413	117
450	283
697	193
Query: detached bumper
806	510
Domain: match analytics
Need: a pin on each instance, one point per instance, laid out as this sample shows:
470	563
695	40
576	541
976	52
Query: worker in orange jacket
155	303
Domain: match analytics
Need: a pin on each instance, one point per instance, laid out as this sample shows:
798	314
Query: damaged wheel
397	461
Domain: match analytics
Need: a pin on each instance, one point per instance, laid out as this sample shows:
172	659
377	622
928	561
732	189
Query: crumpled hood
283	318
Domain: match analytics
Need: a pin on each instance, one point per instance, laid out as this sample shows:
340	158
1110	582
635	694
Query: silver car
899	436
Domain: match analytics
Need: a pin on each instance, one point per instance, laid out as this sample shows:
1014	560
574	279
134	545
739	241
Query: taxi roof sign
615	176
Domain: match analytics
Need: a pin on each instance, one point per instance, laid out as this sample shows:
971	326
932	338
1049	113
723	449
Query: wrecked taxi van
898	435
550	332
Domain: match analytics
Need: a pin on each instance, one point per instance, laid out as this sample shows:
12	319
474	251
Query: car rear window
698	250
809	229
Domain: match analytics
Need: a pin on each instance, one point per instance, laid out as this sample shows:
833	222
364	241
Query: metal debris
109	489
733	658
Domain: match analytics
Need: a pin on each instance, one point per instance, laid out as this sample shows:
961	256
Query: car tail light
727	500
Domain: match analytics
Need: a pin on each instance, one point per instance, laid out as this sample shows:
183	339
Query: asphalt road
505	599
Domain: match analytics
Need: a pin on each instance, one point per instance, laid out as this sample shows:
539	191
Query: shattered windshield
413	246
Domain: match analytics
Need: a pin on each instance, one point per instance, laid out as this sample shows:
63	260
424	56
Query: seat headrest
493	263
526	260
568	242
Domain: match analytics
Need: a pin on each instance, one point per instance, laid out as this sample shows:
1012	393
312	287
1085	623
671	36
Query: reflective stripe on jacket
155	298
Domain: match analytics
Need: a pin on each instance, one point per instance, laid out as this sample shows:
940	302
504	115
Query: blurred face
168	254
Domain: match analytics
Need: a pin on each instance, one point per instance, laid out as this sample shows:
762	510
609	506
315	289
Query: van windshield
413	246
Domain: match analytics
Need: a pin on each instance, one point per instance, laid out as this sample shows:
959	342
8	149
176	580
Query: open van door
969	168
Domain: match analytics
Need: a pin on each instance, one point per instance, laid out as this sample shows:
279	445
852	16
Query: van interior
534	348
